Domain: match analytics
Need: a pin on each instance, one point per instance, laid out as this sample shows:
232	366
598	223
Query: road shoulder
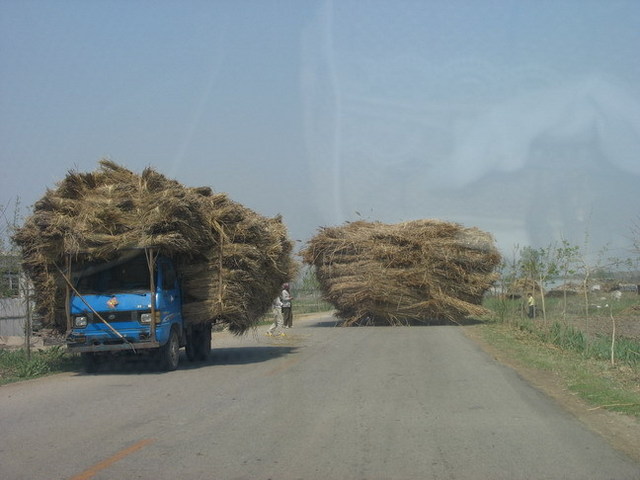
621	431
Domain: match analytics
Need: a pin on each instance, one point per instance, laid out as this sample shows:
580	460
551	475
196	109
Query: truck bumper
112	347
99	339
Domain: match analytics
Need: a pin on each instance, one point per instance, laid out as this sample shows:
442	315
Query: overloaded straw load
417	271
232	260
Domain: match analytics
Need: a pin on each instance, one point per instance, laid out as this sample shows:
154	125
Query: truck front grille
114	317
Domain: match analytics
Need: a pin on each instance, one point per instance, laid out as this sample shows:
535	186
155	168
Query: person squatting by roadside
286	298
531	304
276	327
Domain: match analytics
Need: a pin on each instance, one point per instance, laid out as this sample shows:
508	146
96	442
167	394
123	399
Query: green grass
626	350
562	327
15	366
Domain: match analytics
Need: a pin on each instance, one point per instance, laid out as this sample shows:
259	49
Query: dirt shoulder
622	431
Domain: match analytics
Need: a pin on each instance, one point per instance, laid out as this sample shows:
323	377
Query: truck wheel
190	347
203	342
169	353
89	362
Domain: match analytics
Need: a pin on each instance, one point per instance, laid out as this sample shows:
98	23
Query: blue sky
519	117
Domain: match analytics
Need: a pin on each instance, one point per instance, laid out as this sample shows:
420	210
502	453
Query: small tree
566	257
588	269
508	275
619	266
539	265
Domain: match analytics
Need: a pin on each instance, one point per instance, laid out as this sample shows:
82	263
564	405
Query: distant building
12	301
11	276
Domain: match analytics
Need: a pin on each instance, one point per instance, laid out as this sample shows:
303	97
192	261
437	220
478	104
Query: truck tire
190	347
89	362
203	342
169	353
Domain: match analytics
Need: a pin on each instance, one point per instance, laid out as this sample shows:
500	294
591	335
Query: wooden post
67	298
27	335
152	285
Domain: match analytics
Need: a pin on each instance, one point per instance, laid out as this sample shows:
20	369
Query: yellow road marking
90	472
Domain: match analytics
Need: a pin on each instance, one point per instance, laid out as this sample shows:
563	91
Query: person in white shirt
286	298
277	318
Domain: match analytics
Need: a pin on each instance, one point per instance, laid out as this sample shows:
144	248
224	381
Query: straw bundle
233	261
414	271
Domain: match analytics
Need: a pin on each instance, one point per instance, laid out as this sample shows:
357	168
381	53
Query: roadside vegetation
582	362
586	328
17	365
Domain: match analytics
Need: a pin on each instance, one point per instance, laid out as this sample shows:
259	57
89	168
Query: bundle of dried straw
417	271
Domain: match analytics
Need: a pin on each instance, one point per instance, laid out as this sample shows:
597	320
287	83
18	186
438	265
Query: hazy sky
519	117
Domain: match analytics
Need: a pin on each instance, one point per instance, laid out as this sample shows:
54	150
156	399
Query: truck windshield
128	274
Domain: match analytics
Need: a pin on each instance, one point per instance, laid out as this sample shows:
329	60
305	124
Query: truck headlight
80	322
146	317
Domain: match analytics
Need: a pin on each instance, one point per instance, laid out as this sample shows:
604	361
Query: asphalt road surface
320	403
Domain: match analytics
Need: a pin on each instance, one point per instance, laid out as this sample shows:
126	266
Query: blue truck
131	305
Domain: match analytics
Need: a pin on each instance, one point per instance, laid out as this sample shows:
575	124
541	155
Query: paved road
321	403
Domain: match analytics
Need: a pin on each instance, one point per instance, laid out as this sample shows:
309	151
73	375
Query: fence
12	317
309	301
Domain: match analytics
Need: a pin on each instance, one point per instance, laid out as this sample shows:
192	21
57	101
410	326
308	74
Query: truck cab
131	304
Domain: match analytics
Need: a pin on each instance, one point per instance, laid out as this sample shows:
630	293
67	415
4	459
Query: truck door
168	298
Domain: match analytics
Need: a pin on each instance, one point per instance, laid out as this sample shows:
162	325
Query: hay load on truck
138	264
421	271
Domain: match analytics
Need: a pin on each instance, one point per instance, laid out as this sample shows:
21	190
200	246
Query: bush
626	350
14	364
33	367
567	337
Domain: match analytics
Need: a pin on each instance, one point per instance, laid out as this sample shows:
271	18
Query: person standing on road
277	320
286	298
531	303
